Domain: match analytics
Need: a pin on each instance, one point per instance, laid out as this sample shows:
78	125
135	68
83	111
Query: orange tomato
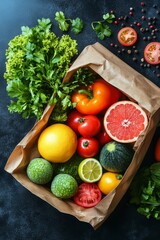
109	181
157	150
57	143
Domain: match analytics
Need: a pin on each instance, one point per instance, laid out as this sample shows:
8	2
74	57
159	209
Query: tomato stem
86	143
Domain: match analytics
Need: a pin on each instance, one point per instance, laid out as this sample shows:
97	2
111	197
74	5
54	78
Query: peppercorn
149	38
134	59
154	37
136	51
154	6
142	29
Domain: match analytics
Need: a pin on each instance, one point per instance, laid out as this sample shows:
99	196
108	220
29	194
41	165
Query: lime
40	171
90	170
64	186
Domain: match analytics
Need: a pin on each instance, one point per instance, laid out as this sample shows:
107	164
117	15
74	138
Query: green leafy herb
77	23
36	63
145	191
101	28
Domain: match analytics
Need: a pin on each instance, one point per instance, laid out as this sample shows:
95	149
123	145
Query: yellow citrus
57	143
109	181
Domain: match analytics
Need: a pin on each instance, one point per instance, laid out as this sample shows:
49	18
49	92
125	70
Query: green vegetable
40	171
64	186
70	167
145	191
101	29
116	157
37	61
77	23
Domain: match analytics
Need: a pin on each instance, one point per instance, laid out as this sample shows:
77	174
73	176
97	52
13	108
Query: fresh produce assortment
87	162
87	145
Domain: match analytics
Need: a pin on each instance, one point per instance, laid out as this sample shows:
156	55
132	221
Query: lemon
90	170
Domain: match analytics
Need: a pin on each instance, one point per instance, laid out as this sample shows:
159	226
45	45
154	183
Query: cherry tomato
103	137
127	36
87	147
88	195
73	120
89	126
152	53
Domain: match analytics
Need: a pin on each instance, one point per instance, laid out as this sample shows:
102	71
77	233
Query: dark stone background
22	214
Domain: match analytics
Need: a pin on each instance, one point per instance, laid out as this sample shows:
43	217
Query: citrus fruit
90	170
64	186
57	143
124	121
40	171
109	181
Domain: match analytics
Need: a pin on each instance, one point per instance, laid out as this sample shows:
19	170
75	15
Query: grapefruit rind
122	125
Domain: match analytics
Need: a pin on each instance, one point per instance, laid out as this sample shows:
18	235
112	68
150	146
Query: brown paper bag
137	88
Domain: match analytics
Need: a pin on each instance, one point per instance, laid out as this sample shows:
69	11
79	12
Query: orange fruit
57	143
109	181
124	121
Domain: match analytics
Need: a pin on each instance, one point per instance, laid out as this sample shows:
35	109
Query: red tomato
87	147
127	36
89	126
73	120
88	195
152	53
103	137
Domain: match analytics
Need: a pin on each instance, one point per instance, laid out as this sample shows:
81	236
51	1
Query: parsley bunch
145	191
101	28
37	61
76	24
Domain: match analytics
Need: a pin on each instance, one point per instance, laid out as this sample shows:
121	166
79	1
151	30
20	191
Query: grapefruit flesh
124	121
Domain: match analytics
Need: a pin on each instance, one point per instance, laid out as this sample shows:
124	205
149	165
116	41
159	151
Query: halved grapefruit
124	121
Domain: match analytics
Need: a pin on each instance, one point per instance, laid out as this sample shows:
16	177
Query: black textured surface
22	214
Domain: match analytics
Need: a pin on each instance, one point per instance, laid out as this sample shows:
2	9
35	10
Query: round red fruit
88	195
89	126
87	147
73	120
127	36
